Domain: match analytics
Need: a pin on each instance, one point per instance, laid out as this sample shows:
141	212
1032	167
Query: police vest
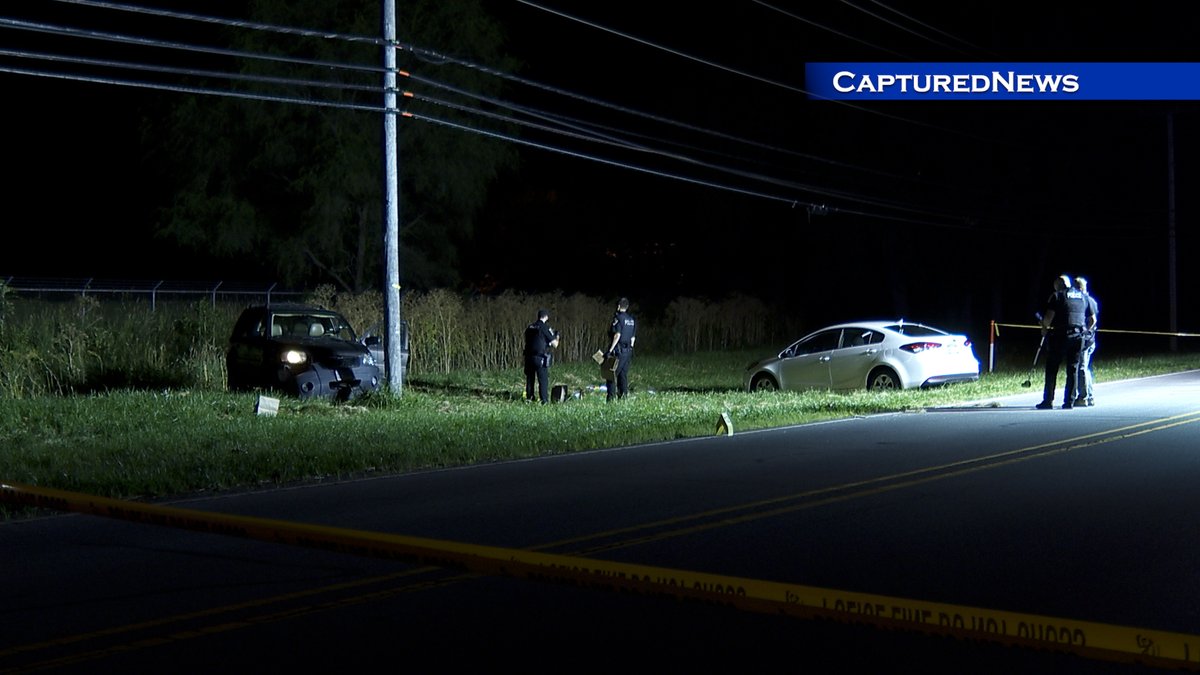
1076	306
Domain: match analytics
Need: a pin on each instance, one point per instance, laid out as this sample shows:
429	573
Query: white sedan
870	355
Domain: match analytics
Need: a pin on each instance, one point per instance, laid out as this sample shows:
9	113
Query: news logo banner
1004	81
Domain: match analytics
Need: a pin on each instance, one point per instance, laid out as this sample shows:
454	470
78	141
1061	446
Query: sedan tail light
918	347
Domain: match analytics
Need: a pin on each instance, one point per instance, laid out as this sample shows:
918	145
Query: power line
675	156
144	42
823	27
751	76
613	131
711	64
572	153
793	201
355	38
234	23
426	54
903	28
423	53
930	27
309	101
157	43
187	71
682	158
811	206
379	109
182	89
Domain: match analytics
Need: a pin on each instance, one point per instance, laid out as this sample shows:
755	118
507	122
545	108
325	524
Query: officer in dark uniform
1086	380
539	339
1063	323
623	332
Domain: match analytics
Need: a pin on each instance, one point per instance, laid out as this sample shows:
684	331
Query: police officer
1085	379
623	333
1067	313
539	339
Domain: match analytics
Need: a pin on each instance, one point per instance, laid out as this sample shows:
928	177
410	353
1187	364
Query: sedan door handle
825	359
870	352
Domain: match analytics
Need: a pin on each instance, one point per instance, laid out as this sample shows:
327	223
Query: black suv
299	350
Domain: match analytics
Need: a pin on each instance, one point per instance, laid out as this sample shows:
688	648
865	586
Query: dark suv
299	350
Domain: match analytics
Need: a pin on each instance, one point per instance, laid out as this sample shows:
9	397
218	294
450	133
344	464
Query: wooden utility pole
391	205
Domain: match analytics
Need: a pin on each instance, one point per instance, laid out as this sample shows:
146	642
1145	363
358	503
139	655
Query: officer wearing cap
1066	315
623	333
539	339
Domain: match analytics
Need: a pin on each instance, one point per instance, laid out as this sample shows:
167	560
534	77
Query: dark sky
949	212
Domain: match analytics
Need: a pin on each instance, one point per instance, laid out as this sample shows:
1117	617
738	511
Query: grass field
157	444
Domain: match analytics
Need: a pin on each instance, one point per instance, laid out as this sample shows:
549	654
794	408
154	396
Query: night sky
954	213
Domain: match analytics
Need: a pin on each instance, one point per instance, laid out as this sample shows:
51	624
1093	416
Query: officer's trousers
1066	350
619	385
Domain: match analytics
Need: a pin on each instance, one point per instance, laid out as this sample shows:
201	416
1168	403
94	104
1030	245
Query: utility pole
391	206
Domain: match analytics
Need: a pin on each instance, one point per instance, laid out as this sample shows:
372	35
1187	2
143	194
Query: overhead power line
572	153
431	56
183	89
330	65
752	76
903	28
194	72
232	23
823	27
827	192
162	44
581	132
273	28
928	26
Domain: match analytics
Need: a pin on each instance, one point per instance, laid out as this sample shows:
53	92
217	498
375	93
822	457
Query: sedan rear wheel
883	378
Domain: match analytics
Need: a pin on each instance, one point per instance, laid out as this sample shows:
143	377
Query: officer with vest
539	339
1066	316
623	333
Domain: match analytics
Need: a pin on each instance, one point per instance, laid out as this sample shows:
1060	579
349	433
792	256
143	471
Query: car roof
877	324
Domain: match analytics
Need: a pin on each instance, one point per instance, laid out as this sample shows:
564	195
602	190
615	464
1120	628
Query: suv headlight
368	360
295	357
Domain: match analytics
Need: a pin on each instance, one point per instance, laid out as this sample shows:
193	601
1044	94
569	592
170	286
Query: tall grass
85	344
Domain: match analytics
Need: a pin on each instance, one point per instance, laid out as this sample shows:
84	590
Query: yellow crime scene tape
996	329
1154	648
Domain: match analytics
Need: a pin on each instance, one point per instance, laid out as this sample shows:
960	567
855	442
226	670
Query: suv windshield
308	324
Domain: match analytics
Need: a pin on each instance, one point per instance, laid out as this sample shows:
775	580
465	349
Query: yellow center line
963	466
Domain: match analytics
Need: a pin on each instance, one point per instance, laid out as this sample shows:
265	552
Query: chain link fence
150	291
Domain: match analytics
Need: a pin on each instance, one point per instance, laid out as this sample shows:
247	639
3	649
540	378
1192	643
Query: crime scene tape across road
1087	639
995	330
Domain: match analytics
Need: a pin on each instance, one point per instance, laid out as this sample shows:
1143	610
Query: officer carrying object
607	364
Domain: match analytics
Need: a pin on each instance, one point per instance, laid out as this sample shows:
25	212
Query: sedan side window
860	337
821	342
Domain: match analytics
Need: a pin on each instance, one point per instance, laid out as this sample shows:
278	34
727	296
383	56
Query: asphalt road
1084	514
